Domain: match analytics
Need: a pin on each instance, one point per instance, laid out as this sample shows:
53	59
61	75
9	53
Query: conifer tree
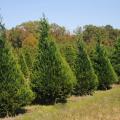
86	78
103	67
29	55
22	63
70	55
53	79
14	91
115	59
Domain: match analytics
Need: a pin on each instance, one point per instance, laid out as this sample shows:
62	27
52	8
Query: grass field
103	105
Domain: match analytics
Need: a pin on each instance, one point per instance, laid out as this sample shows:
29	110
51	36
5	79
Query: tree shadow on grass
17	112
48	102
20	111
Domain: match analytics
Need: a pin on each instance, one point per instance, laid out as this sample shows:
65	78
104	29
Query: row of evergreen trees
52	78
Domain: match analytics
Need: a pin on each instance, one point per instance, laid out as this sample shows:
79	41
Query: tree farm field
103	105
59	60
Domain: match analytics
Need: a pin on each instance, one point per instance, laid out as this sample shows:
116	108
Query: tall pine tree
14	90
115	59
86	78
23	64
70	55
103	67
53	79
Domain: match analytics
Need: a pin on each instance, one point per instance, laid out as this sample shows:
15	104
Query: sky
68	13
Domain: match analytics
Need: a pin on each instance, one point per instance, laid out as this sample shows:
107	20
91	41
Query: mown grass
103	105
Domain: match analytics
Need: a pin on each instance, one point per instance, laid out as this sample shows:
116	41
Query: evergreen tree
22	63
104	70
115	59
70	55
86	78
29	55
14	90
53	79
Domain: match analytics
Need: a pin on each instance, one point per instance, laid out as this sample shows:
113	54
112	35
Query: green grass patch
103	105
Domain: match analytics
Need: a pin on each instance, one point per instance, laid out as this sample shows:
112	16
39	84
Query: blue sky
69	13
